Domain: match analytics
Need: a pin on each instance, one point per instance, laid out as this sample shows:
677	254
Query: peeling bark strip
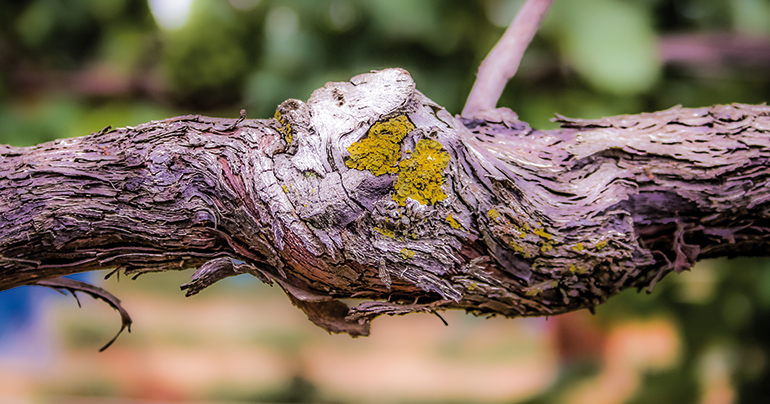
372	191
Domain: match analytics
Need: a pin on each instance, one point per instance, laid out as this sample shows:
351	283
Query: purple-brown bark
521	222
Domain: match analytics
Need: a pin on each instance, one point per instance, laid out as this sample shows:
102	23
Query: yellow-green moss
420	177
453	222
380	150
285	128
407	253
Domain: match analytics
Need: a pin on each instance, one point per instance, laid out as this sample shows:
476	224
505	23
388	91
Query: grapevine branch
503	60
371	191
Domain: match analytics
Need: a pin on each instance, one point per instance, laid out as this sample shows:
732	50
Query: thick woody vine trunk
372	191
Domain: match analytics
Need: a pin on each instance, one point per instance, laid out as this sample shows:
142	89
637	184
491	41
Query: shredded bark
74	286
481	213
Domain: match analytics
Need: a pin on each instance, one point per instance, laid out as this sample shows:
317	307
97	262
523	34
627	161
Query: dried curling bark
372	191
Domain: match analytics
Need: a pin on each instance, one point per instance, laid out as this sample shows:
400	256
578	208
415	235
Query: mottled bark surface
372	191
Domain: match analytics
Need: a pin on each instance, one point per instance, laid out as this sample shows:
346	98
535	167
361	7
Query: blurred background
71	67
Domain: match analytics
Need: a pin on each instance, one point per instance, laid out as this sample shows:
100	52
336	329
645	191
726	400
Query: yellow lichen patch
601	245
473	286
407	253
516	246
285	188
420	177
285	128
386	232
577	247
380	150
493	214
453	222
535	290
542	233
546	246
522	231
576	270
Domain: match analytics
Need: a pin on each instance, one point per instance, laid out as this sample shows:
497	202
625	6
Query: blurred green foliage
70	67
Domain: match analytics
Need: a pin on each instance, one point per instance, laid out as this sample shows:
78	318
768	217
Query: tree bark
372	191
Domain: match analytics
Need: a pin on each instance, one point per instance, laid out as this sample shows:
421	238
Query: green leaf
611	44
751	16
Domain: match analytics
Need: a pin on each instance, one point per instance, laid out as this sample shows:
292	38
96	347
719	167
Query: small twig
240	119
435	313
503	60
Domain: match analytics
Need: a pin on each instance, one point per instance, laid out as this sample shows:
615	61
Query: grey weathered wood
478	213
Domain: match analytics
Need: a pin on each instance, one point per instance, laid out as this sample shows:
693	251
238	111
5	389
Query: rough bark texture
372	191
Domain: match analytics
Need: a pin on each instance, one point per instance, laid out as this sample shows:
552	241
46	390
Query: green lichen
407	253
285	128
380	150
453	222
420	177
